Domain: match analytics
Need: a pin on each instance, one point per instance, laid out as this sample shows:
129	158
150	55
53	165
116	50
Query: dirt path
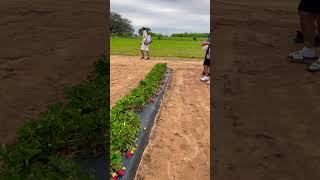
45	46
125	74
179	144
268	117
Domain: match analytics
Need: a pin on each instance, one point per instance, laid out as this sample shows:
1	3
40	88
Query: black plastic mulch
147	116
97	165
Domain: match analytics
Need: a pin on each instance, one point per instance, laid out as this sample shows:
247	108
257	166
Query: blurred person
144	46
309	11
299	37
206	63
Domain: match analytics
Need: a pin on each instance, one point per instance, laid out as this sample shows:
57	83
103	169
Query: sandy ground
267	124
45	46
179	144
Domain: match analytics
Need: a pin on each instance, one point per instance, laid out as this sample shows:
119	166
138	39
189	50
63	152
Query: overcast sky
166	16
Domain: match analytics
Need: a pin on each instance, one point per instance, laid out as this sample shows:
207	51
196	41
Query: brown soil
267	124
45	46
179	147
125	74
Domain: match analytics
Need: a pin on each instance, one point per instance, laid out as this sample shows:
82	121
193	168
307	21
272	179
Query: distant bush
190	35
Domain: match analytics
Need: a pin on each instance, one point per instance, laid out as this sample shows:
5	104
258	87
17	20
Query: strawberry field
125	124
47	145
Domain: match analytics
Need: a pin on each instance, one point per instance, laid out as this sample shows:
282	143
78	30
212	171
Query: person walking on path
309	11
144	46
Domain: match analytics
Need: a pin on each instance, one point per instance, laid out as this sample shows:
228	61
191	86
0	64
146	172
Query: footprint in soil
274	155
177	134
267	160
147	158
7	76
278	155
230	167
264	136
236	121
193	146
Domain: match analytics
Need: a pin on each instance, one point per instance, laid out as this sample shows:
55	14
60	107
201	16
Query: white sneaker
208	82
315	67
205	78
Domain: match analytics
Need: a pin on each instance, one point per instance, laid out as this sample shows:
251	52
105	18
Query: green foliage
78	125
120	26
125	124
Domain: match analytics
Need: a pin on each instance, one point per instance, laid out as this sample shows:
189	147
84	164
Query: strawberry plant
46	145
125	125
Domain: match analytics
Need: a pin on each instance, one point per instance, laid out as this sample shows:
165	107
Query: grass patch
182	47
46	145
125	124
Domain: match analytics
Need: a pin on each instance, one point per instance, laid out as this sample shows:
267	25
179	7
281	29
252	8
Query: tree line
190	35
122	27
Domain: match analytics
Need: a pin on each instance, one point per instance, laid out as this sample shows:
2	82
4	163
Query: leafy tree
120	26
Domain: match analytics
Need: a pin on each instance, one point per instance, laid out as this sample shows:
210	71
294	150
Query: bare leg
318	25
315	66
206	70
142	54
308	28
148	54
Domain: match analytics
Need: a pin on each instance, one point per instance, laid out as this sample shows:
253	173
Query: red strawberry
114	176
121	172
129	154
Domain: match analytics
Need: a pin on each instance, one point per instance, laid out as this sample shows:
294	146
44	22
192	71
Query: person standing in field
206	64
144	46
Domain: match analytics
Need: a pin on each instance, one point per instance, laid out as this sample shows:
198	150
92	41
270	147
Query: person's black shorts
312	6
206	62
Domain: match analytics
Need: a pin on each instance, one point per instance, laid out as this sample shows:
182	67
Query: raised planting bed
132	119
49	146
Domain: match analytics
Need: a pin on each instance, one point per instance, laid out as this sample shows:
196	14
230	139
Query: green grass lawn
170	47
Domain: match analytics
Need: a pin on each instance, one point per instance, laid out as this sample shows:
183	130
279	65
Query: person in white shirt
206	64
144	47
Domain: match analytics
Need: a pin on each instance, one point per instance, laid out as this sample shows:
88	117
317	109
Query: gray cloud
166	16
